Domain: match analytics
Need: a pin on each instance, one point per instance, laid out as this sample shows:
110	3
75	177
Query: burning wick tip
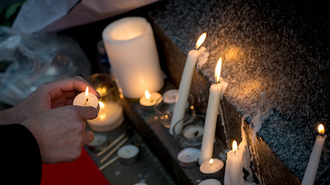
86	101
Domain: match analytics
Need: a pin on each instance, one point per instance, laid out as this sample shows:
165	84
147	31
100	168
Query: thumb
87	112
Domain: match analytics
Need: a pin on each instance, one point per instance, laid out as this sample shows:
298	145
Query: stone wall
277	47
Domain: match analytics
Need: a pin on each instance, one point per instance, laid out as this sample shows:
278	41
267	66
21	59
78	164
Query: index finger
73	84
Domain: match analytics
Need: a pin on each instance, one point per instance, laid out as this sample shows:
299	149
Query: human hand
60	132
48	96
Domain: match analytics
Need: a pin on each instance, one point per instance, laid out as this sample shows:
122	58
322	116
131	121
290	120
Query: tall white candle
314	159
131	48
184	89
211	118
234	171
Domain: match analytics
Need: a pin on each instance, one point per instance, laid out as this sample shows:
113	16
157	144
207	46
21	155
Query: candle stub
188	157
128	154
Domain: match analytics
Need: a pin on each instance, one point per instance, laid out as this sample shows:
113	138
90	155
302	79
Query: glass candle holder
110	115
164	107
192	131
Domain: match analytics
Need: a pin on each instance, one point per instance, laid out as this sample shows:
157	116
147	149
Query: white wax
207	168
128	151
109	117
234	171
184	89
82	100
210	182
131	48
154	96
313	162
171	96
189	155
210	123
193	131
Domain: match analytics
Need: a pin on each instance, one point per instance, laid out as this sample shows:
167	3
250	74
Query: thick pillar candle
314	159
184	89
131	48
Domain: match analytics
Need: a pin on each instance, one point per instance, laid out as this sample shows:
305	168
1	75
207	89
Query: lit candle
314	159
86	99
131	48
193	131
180	105
234	172
109	118
211	168
211	117
149	99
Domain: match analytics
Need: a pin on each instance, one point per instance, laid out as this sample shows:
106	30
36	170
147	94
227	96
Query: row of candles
208	165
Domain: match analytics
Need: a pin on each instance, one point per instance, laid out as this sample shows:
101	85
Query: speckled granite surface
280	47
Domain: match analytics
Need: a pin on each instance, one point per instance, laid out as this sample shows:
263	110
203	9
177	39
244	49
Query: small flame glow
217	71
86	91
235	146
147	94
102	113
200	40
211	161
320	128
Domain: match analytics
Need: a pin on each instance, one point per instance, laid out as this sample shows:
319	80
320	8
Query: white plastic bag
28	60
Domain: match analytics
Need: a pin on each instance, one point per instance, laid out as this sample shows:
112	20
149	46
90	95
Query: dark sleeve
20	159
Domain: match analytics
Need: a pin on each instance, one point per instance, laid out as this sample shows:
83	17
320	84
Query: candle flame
147	94
200	40
235	146
86	91
102	114
320	128
211	161
218	70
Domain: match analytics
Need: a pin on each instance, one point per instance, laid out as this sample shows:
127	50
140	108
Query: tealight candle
86	99
149	99
234	172
109	118
99	142
211	168
193	131
211	117
314	159
128	154
210	182
180	105
188	157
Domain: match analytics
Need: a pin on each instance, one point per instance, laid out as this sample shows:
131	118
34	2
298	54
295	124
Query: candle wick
86	101
151	100
196	133
234	151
